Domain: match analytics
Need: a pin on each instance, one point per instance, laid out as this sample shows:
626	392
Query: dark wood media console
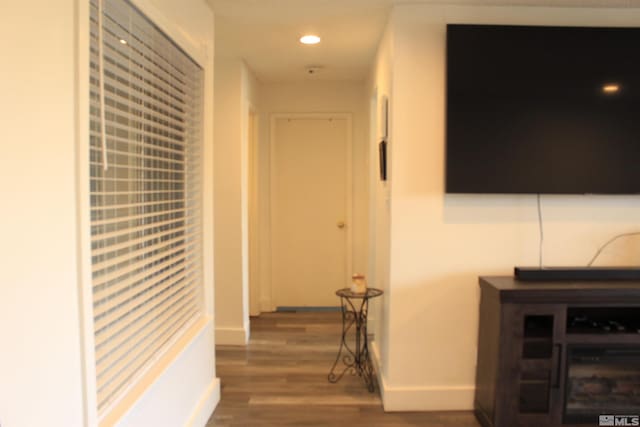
557	353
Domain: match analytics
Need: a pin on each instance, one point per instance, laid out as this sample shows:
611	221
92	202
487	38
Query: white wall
236	92
317	97
379	89
440	243
45	131
40	362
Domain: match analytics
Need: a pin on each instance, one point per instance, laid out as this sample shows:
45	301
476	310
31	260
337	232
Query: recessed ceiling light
611	88
123	41
310	39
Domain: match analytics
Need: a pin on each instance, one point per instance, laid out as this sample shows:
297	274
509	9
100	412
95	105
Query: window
145	152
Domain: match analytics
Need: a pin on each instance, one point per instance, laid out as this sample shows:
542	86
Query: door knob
341	224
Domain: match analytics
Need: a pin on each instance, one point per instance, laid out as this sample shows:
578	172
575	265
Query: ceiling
265	33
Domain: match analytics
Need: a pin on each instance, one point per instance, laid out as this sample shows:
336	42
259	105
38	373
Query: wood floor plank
280	379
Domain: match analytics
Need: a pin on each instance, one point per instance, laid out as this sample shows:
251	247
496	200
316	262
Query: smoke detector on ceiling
313	70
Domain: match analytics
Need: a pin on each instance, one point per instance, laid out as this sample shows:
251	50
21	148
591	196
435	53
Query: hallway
280	379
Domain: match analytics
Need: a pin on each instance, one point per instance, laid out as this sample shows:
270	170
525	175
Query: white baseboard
420	398
206	405
232	336
377	366
444	398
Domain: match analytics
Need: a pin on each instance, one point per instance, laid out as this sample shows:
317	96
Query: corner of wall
380	86
419	398
377	367
232	335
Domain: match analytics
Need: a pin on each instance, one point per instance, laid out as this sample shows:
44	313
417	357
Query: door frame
253	208
348	183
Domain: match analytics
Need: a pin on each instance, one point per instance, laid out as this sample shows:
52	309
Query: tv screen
534	109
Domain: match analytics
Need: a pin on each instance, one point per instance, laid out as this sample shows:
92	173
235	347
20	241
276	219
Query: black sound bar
576	273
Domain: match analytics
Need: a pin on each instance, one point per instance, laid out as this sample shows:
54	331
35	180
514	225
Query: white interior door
310	201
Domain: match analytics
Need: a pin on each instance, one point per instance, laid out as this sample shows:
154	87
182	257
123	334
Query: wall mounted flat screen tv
533	109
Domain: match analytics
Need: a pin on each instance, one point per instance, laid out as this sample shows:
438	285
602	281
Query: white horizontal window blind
145	150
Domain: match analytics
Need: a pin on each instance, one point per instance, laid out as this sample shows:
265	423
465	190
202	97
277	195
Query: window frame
198	44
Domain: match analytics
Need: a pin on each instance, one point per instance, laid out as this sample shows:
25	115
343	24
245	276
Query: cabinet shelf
536	339
533	365
603	338
532	382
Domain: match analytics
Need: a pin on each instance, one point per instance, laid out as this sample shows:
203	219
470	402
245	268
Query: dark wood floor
280	379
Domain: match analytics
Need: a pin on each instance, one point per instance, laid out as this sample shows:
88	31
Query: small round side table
355	307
